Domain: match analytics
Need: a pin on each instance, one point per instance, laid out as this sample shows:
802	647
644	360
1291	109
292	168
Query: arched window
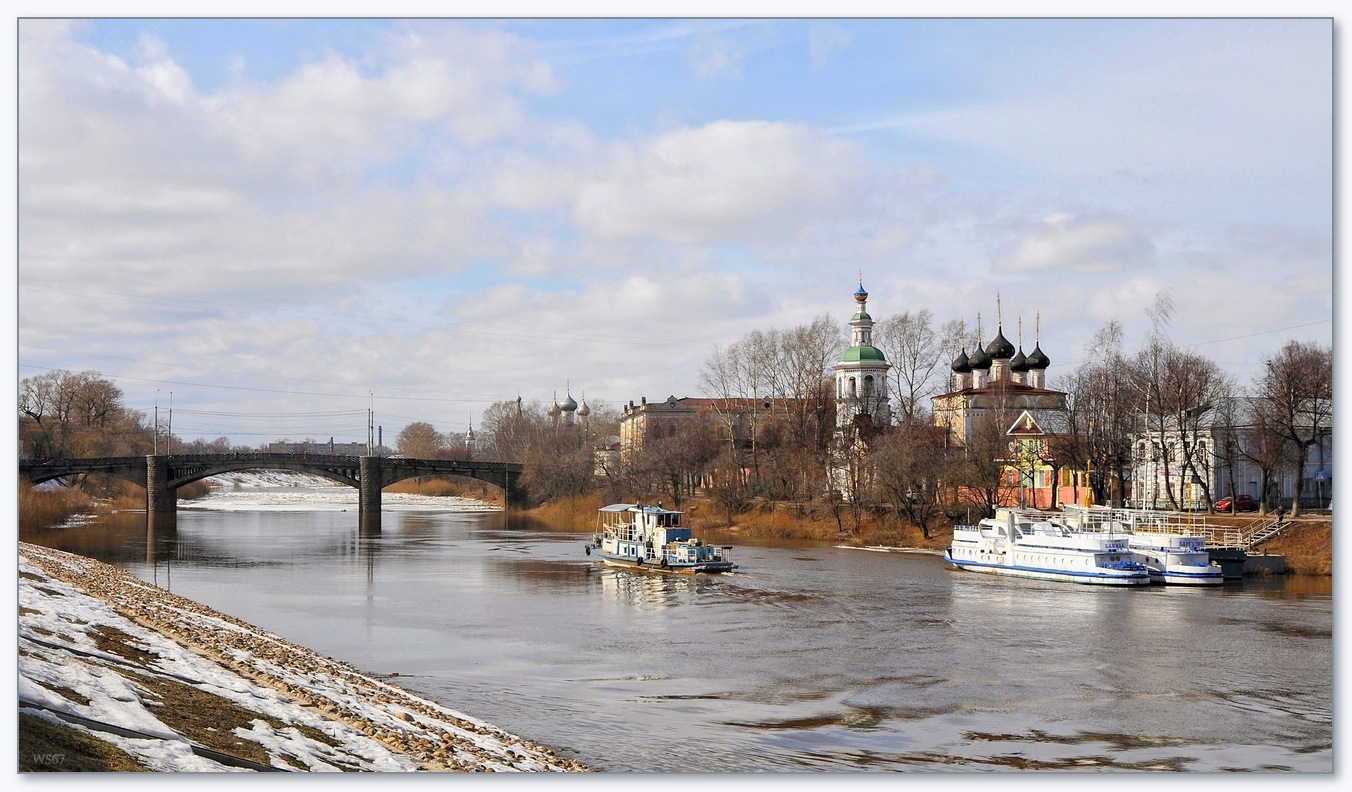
868	385
853	388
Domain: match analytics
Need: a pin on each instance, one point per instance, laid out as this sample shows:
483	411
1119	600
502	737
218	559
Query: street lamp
155	444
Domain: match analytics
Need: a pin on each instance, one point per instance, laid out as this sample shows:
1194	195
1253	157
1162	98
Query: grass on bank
442	486
49	747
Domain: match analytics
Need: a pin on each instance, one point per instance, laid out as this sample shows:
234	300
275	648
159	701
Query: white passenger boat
1175	559
1170	545
650	537
1035	545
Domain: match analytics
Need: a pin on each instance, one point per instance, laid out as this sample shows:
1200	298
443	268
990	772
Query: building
1223	442
863	406
861	375
1001	392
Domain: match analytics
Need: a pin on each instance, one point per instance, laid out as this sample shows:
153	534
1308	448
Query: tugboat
633	535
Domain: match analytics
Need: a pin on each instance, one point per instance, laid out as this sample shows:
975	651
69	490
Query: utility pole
169	436
370	421
156	442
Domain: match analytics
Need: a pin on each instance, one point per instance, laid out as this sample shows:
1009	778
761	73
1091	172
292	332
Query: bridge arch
162	475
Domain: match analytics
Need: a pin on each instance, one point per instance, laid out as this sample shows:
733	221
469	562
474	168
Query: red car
1240	503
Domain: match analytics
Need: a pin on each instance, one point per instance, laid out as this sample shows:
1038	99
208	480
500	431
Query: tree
672	464
558	464
910	462
914	350
65	414
421	440
510	428
982	474
1101	411
1296	401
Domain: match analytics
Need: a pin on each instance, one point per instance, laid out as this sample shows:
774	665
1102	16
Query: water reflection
650	590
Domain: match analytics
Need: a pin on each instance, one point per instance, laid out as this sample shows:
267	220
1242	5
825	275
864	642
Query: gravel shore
131	664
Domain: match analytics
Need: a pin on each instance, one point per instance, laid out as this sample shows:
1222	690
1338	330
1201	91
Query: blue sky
270	216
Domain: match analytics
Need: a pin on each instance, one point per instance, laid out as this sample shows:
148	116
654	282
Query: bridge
162	475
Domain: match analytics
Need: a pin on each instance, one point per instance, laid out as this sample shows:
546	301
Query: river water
808	658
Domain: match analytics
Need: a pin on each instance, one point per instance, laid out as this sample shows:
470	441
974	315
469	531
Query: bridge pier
161	499
368	493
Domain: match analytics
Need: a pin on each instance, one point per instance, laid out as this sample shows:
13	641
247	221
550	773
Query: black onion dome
980	360
1000	348
1038	361
1019	363
960	364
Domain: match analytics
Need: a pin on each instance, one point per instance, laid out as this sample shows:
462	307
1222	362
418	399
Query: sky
272	226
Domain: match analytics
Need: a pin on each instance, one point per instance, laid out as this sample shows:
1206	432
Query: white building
1221	447
862	402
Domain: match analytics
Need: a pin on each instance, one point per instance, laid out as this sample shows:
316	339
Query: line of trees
1164	401
780	441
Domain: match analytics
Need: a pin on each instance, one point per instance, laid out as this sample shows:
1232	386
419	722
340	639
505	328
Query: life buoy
639	561
588	549
664	563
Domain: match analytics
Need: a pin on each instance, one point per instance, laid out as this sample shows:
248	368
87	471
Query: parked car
1240	503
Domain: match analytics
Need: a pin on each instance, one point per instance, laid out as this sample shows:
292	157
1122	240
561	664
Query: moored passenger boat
1172	546
1175	559
1034	545
650	537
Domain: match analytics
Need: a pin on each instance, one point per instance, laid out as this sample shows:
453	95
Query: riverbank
1306	542
118	675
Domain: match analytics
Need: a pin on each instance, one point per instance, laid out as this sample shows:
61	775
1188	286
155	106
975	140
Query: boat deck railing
1143	520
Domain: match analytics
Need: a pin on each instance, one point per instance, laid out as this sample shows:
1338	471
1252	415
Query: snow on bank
66	601
271	490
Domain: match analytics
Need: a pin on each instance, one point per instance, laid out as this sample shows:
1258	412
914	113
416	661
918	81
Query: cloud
725	181
1064	243
295	185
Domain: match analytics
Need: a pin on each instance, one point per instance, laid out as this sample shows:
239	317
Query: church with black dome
998	383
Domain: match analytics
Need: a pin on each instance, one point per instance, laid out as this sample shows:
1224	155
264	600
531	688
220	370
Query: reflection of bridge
162	475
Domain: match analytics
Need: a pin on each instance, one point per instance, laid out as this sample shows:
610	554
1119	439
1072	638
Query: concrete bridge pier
368	493
161	500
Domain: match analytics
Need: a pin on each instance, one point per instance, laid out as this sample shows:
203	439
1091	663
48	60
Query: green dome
863	354
861	317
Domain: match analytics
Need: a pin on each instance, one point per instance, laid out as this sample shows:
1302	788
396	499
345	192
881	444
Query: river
808	658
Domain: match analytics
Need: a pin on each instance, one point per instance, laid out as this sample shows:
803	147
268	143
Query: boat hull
707	568
1104	577
1186	576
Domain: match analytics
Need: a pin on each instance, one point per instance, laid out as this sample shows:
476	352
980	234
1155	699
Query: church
1001	392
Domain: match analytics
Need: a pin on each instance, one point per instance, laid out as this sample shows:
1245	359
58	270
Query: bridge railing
271	456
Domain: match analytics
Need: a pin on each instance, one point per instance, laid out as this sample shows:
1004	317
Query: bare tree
65	414
1296	400
915	351
1101	412
983	474
909	464
510	428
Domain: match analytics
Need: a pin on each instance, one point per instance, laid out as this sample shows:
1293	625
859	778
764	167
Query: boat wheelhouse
651	537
